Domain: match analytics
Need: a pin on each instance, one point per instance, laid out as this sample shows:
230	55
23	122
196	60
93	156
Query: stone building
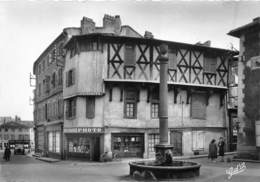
16	130
111	99
248	89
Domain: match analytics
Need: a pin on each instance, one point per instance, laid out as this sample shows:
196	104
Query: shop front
128	144
83	143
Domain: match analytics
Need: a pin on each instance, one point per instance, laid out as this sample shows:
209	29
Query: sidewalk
122	160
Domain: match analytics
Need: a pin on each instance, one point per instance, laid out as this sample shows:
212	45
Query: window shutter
67	78
67	109
74	104
129	55
73	77
198	106
90	107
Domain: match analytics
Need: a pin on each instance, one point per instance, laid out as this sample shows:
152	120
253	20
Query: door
176	141
96	153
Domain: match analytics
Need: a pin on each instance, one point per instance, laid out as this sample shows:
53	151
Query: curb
49	160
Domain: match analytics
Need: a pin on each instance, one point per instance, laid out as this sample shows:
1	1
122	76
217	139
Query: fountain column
163	147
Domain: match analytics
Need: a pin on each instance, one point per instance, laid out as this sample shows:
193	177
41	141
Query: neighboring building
248	89
232	104
48	68
111	94
16	130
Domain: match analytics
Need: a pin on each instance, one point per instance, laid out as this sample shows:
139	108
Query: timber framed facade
110	95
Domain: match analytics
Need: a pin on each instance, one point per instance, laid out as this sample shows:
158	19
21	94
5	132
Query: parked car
19	149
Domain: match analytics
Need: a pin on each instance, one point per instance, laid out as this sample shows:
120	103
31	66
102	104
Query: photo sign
84	130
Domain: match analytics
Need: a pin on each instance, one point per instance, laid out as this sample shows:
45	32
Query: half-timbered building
112	87
110	92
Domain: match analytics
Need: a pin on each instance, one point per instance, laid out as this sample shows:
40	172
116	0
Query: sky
28	27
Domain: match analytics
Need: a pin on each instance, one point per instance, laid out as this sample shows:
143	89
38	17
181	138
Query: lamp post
163	147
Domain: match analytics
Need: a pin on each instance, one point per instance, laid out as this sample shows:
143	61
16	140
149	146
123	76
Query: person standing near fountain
213	151
221	146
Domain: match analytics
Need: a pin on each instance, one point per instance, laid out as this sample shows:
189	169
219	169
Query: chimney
112	24
117	24
87	25
108	21
148	35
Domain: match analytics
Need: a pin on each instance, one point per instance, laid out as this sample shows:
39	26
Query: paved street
27	169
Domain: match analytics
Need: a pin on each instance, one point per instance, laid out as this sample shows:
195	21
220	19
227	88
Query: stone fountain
164	167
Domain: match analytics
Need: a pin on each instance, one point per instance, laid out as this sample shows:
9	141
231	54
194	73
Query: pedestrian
7	153
221	147
213	150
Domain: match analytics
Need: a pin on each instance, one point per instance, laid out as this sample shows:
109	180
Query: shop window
54	141
50	141
90	107
198	106
198	140
130	104
71	108
172	62
70	78
128	145
210	64
153	139
79	145
129	55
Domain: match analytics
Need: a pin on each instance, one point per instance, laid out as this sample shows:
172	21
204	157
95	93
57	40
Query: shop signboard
84	130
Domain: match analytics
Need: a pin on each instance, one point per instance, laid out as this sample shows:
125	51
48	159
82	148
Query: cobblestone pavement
27	169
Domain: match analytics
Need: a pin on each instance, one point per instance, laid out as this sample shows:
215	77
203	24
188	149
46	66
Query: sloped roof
14	125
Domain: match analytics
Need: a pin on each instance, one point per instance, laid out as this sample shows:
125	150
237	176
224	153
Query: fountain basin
175	170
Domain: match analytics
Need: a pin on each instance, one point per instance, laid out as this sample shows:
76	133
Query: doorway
176	141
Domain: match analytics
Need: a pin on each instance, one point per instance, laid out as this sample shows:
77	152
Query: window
155	110
60	108
155	103
70	77
71	108
6	129
172	63
39	89
53	81
130	104
47	84
198	140
6	137
153	139
129	55
26	137
43	65
210	64
50	141
20	137
39	69
60	77
90	107
198	106
12	137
